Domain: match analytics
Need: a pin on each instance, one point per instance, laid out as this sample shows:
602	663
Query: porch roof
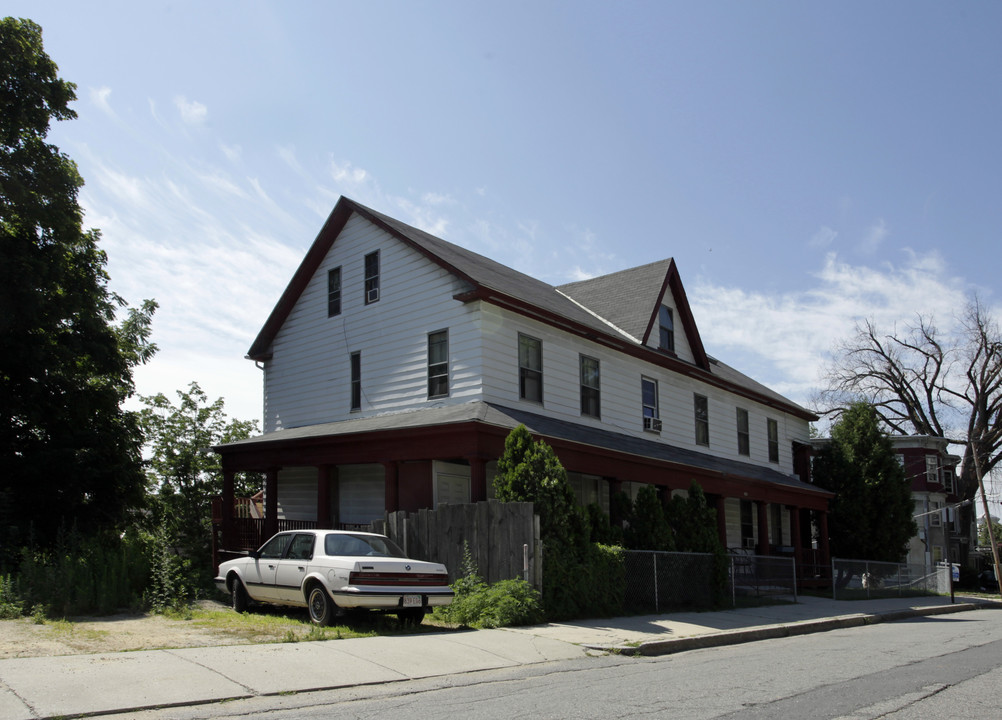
507	418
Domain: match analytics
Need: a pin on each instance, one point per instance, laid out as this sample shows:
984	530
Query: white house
395	364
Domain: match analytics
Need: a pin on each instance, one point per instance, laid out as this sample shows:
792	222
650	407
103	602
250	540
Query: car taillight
378	578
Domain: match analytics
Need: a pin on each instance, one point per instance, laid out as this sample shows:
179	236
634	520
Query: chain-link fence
857	579
763	576
661	581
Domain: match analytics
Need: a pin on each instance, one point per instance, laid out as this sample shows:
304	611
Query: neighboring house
932	473
396	363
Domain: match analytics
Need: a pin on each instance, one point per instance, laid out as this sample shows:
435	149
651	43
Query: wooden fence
503	538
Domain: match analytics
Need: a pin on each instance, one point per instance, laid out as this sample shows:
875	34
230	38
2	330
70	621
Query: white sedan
331	571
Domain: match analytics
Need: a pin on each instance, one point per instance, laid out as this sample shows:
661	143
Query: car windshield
359	545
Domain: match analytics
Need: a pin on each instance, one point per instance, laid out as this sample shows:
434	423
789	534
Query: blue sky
806	164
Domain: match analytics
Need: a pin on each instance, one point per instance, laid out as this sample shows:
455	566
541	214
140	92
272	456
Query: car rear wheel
321	606
238	596
411	616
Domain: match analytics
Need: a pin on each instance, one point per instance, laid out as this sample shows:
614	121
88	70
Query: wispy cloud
786	338
100	97
874	237
823	238
192	111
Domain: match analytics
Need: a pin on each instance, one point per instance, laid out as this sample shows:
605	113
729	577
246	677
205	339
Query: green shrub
479	605
81	576
10	606
583	582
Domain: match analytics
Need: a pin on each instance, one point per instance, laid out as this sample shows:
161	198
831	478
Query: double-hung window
372	277
666	326
744	446
334	292
649	403
772	428
438	364
702	413
530	368
931	470
590	390
356	381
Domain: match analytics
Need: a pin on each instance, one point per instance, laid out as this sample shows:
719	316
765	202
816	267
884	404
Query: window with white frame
772	429
931	469
372	277
936	518
948	480
702	417
590	389
438	364
744	443
649	404
530	368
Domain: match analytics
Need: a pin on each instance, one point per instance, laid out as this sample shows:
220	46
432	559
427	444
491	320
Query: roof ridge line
596	315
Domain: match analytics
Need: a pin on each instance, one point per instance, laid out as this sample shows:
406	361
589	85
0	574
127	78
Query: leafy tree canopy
69	453
925	380
184	474
871	513
529	471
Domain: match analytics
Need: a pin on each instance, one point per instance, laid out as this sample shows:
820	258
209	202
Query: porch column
763	528
324	497
720	504
391	471
823	539
226	521
798	553
270	502
478	479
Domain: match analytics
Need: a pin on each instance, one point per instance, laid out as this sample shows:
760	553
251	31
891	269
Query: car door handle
302	568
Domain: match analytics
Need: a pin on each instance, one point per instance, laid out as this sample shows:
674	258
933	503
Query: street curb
768	632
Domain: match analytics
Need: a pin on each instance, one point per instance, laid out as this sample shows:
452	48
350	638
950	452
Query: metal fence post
793	573
834	583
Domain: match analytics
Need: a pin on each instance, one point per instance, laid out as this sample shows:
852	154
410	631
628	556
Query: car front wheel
321	606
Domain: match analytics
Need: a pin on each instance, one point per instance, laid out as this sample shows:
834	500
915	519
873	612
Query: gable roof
492	282
630	299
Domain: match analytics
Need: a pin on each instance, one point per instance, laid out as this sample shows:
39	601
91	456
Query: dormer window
666	320
371	277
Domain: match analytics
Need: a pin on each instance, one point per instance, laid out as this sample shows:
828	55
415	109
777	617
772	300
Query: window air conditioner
652	424
372	295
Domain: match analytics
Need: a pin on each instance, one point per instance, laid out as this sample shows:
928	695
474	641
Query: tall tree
184	475
871	514
924	381
69	453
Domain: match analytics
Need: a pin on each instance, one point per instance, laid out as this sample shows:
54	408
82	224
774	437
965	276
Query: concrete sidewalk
74	685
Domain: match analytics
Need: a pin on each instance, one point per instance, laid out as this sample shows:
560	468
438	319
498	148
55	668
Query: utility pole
988	519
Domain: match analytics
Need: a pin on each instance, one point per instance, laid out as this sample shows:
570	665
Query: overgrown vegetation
478	604
583	562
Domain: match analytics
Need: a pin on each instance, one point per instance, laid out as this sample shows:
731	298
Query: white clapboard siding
308	378
620	385
361	493
682	348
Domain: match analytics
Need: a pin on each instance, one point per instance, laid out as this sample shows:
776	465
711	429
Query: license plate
412	601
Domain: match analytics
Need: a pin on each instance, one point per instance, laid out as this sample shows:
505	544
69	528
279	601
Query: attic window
667	326
371	277
334	292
